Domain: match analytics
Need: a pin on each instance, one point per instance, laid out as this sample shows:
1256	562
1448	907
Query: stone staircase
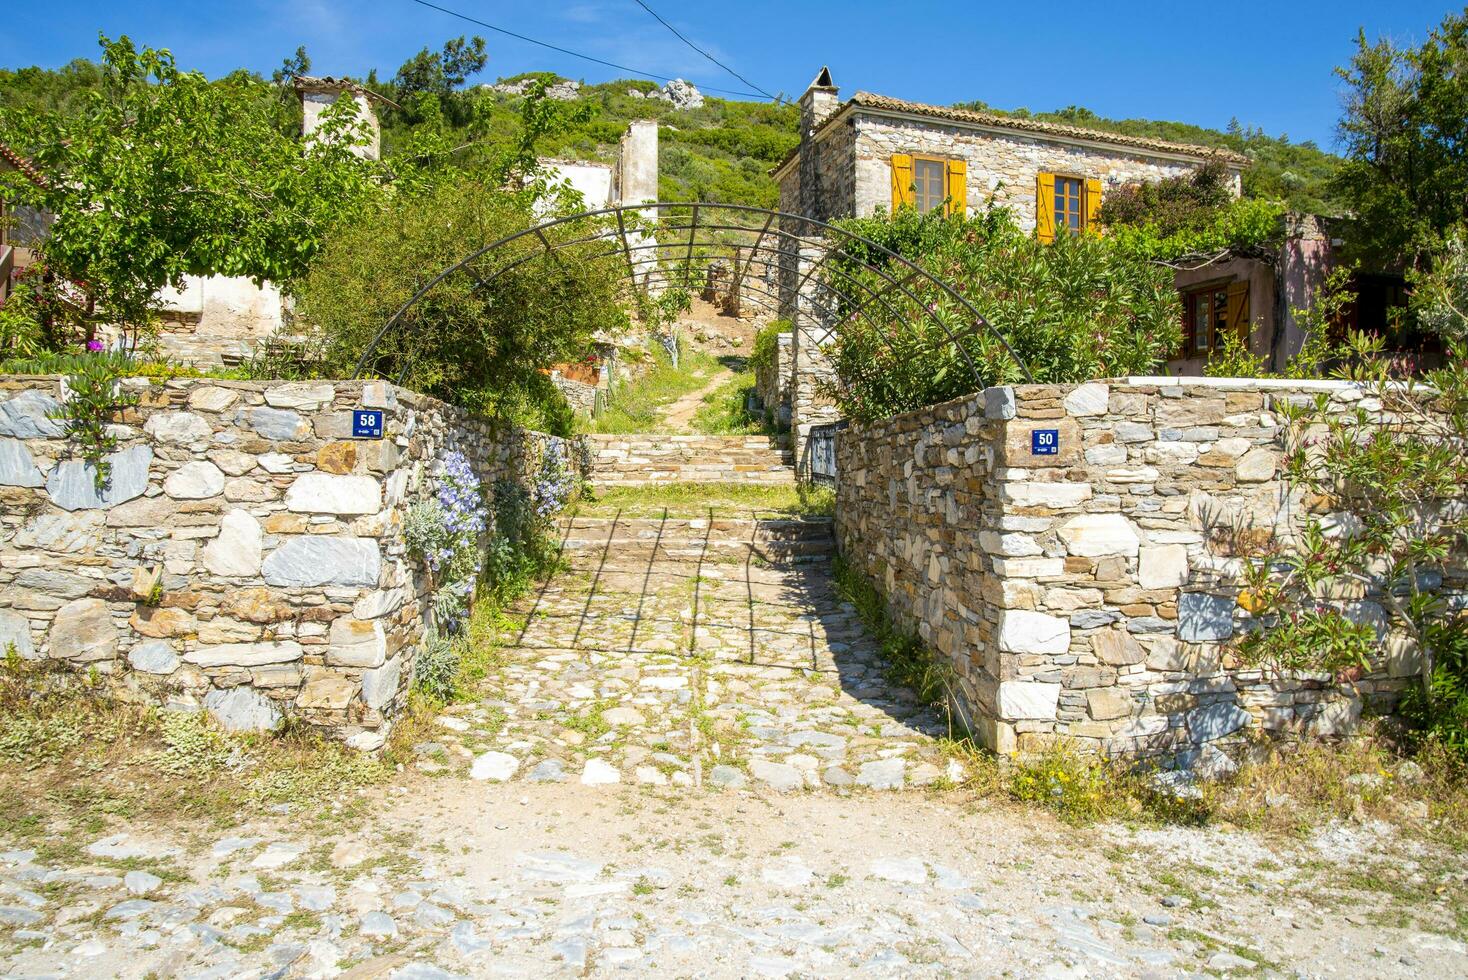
633	460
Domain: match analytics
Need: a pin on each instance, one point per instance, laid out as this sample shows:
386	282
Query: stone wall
1093	593
248	556
1002	165
772	381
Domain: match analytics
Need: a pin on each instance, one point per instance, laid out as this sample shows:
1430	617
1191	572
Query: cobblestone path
697	652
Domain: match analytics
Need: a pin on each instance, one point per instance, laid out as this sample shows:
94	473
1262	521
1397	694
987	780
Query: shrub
1077	309
472	342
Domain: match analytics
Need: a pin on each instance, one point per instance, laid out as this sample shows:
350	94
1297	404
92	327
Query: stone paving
695	651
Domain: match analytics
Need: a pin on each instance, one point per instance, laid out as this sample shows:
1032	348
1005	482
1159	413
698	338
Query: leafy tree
1076	309
162	173
440	72
474	339
1383	484
1188	215
295	66
1405	133
1440	292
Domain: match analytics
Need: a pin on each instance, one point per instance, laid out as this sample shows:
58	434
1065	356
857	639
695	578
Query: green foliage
1403	133
1440	708
1238	225
436	667
725	410
22	333
1079	308
1439	297
95	397
637	405
1385	521
441	71
192	745
908	661
156	173
479	347
767	345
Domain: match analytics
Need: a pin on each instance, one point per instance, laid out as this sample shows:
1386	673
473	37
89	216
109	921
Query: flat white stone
245	654
599	773
194	481
242	709
72	485
494	766
1099	535
379	686
1028	700
329	493
907	871
276	463
356	643
1037	494
311	560
236	552
309	397
29	416
17	467
1162	566
15	630
1022	631
153	657
1088	399
180	428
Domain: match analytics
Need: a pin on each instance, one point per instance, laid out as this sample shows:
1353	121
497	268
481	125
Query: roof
885	103
23	165
327	83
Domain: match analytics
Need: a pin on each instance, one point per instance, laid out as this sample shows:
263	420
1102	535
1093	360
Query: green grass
637	406
723	410
708	500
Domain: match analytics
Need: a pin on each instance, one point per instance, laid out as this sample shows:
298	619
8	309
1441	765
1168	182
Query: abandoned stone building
20	227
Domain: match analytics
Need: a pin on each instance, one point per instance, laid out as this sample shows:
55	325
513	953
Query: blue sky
1269	64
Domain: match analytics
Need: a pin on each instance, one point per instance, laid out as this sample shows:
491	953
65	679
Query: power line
658	17
574	54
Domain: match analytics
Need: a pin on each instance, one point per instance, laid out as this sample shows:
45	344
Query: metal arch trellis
613	226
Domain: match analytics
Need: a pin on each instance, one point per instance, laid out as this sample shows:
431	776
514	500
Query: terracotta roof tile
873	101
23	165
870	100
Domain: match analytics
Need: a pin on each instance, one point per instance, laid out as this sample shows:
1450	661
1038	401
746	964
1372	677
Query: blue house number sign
367	425
1044	442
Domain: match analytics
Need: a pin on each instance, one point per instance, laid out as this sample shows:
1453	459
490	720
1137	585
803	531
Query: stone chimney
818	102
637	164
319	94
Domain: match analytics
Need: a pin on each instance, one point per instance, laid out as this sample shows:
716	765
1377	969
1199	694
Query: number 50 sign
1044	442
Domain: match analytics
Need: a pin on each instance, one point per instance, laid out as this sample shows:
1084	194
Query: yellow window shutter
1238	311
1093	202
1045	207
958	187
901	181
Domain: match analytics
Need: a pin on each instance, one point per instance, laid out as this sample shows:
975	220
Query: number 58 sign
366	425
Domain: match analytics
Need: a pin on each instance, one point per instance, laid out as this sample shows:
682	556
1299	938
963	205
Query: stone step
695	528
630	460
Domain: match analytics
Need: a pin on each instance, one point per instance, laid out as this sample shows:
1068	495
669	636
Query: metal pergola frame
851	297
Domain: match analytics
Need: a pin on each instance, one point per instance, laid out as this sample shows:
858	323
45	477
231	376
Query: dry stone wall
247	557
1093	593
772	380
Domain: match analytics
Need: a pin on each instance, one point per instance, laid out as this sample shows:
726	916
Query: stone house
873	151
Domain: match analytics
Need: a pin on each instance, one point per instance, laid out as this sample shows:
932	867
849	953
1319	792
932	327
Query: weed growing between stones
909	662
708	500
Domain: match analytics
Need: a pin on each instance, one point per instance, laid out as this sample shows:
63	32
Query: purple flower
95	346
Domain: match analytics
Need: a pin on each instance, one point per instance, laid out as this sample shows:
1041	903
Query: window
1065	203
1210	313
927	183
1068	191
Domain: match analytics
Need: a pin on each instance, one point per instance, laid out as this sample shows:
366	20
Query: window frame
1218	292
1061	222
942	163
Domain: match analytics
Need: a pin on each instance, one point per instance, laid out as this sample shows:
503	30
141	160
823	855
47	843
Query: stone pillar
811	369
319	94
637	165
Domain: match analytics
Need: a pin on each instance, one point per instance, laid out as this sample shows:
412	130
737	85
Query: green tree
162	173
440	72
474	339
1076	309
1405	135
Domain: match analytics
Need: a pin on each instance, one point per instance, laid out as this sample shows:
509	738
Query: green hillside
724	150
